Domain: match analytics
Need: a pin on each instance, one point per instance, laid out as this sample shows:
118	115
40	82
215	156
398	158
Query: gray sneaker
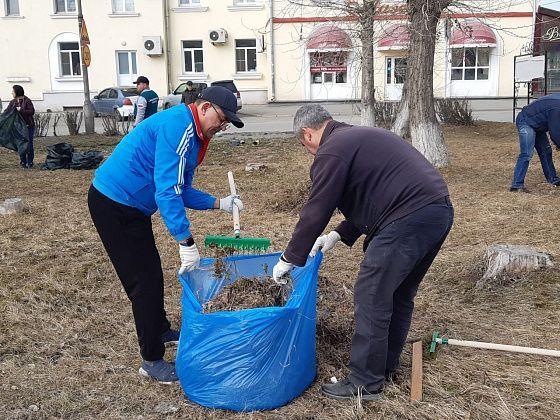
160	370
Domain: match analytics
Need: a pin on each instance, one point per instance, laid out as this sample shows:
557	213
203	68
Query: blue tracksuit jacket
153	167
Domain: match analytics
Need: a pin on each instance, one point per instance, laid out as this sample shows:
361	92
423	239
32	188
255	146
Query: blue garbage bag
251	359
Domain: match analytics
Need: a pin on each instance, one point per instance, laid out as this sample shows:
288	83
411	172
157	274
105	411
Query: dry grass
67	340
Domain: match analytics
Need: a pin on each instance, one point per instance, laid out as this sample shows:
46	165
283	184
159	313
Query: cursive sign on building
552	34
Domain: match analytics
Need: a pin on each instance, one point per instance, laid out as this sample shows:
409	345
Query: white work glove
325	243
227	203
190	258
280	270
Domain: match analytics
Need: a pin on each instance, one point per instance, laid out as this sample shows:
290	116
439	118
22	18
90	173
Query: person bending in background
24	106
390	193
533	122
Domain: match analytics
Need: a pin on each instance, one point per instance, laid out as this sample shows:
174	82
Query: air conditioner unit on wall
152	45
218	36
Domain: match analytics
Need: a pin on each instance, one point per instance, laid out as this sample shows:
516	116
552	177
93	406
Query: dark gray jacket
373	176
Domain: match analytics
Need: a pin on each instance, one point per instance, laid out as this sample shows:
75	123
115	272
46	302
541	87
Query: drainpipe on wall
271	43
167	45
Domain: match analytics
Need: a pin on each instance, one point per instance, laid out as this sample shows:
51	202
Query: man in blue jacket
152	169
533	122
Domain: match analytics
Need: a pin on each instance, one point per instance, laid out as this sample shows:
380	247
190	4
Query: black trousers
395	262
128	238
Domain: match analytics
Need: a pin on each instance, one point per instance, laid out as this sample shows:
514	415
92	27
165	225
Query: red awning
472	34
395	37
328	36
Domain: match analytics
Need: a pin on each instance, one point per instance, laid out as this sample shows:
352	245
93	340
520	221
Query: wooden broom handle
235	212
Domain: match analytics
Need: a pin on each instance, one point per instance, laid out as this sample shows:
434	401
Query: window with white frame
65	6
123	6
69	56
245	55
12	7
188	2
193	57
470	63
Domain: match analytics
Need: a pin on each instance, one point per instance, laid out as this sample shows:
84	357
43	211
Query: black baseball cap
142	79
225	99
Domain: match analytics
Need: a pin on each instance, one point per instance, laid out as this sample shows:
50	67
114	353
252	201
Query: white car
175	98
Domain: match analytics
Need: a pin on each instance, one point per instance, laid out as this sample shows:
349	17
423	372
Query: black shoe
346	390
556	183
521	190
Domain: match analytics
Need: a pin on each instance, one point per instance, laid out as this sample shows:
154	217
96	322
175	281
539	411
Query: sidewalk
278	117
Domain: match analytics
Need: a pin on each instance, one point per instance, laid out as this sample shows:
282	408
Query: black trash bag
86	160
14	134
59	156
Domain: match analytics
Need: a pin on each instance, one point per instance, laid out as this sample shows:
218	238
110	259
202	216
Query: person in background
390	193
147	103
24	106
533	122
190	94
151	169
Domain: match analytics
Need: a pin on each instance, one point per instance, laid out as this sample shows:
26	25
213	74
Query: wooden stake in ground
416	379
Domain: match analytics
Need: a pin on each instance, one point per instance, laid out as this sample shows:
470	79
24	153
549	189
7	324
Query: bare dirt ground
67	342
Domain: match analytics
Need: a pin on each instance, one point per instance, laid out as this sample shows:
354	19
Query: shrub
114	124
42	123
454	111
73	121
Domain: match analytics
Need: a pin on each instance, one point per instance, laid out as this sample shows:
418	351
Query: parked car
115	99
174	98
228	84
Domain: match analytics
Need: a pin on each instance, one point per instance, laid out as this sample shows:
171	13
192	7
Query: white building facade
273	50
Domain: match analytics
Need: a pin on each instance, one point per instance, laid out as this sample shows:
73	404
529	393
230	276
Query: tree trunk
368	87
400	125
425	130
509	259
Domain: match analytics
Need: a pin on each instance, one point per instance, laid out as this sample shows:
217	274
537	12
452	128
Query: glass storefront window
482	74
316	77
483	57
471	63
457	57
341	77
456	74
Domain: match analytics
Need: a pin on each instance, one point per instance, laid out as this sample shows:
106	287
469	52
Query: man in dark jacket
533	122
25	108
389	192
190	94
